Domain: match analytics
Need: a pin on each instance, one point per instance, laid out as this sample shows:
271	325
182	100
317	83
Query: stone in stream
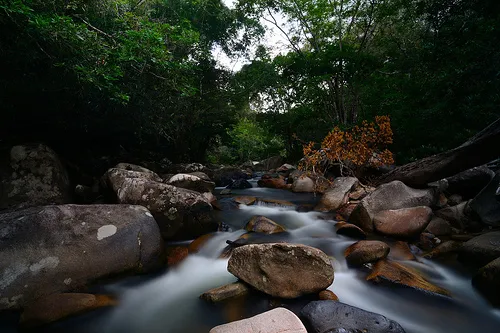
366	251
55	307
487	281
401	251
191	182
397	273
245	200
350	230
137	168
487	204
273	181
180	213
263	225
333	316
240	184
337	194
455	215
279	320
402	223
282	270
390	196
327	295
439	227
176	254
444	249
306	184
225	292
32	175
275	203
481	250
52	249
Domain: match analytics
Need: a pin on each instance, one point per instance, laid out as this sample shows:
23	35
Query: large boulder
191	182
366	251
455	215
226	175
272	181
32	175
487	204
282	270
467	183
273	162
402	223
337	194
481	250
138	168
180	213
240	184
337	317
279	320
51	249
487	281
439	227
393	195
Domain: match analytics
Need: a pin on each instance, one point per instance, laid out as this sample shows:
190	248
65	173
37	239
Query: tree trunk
480	149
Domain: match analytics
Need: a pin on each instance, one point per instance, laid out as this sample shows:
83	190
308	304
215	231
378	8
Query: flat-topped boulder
402	223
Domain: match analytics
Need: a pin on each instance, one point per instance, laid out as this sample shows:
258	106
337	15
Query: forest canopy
139	78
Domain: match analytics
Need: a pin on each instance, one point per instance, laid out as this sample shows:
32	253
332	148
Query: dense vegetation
138	78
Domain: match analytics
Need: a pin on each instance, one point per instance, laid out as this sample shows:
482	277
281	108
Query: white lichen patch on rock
106	231
45	263
67	281
10	274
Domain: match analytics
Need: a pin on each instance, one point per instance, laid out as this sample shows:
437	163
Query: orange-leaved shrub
361	146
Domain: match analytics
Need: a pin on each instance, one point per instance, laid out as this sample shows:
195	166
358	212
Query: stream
168	301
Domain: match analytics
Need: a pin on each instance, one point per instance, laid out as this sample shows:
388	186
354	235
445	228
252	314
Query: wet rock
199	174
191	182
366	251
137	168
282	270
402	223
279	320
428	241
481	250
455	199
350	230
199	242
397	273
303	184
347	210
487	281
51	249
226	175
486	204
225	191
332	316
240	184
391	196
276	203
337	195
468	183
176	254
360	192
272	181
245	200
286	169
263	225
327	295
401	251
58	306
273	162
444	249
180	213
32	175
455	215
226	292
439	227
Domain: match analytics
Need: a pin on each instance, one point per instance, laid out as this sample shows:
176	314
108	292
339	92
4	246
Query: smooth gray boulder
337	194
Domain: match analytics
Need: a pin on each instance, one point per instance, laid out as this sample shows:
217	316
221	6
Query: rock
52	249
273	162
32	175
272	182
347	210
199	174
137	168
245	200
199	242
279	320
240	184
401	251
366	251
327	295
225	292
350	230
439	227
263	225
468	183
187	168
390	196
397	273
321	184
282	270
58	306
180	213
337	195
332	316
455	215
191	182
226	175
286	169
275	203
486	204
444	249
176	254
487	281
481	250
428	241
360	192
303	184
455	199
225	191
402	223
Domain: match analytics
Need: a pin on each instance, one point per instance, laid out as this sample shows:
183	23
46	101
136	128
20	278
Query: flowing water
169	302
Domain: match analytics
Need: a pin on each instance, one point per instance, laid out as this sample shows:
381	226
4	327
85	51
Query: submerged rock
402	223
245	200
282	270
51	249
59	306
225	292
337	194
279	320
366	251
332	316
397	273
263	225
32	176
391	196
